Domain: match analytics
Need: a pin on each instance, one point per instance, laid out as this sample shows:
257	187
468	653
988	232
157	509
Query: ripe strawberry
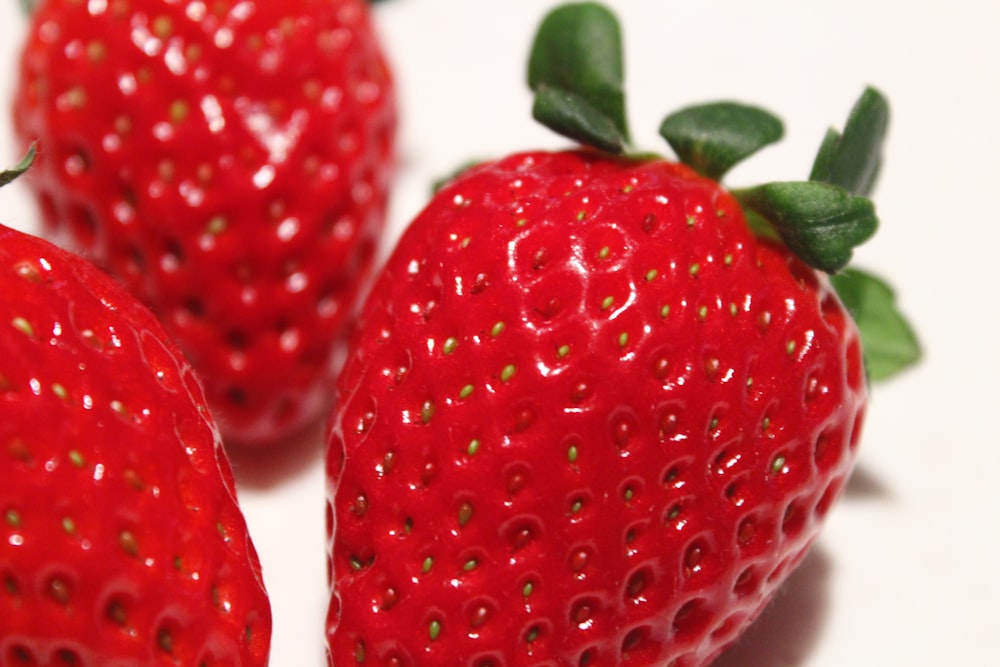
121	541
591	416
229	162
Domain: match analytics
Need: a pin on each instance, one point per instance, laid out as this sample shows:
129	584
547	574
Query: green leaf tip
888	340
9	175
713	138
852	159
576	69
819	222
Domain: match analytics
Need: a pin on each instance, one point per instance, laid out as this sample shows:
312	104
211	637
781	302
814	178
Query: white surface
906	573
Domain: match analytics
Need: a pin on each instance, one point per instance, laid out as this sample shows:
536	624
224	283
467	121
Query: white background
906	573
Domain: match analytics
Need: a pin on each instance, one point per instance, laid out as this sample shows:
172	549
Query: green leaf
9	175
889	342
576	62
571	116
819	222
853	159
713	138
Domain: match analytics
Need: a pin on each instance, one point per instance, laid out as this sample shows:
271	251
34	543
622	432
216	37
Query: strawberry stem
713	138
576	70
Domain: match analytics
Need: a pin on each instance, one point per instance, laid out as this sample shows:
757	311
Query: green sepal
28	6
761	228
852	159
571	116
819	222
888	340
713	138
576	68
445	180
8	175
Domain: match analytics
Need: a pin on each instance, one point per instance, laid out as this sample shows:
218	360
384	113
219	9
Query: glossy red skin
157	120
121	540
635	484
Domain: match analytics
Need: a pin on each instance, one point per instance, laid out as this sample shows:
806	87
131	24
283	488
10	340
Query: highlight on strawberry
598	406
230	163
121	539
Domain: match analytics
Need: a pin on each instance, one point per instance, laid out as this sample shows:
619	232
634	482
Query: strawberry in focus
229	162
597	405
600	425
121	540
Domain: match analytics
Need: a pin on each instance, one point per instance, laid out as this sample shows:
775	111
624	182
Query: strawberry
121	540
597	405
227	161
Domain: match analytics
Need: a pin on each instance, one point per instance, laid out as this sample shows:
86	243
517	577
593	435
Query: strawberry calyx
576	70
823	219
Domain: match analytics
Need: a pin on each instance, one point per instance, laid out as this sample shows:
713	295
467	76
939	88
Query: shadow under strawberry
268	468
788	630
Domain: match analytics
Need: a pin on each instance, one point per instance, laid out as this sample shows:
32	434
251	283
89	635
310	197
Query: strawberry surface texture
121	540
588	418
229	162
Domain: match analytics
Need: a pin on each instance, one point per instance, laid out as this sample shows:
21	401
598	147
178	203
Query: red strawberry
591	417
229	162
121	541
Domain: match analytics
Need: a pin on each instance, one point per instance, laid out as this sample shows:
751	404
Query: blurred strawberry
229	162
121	540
